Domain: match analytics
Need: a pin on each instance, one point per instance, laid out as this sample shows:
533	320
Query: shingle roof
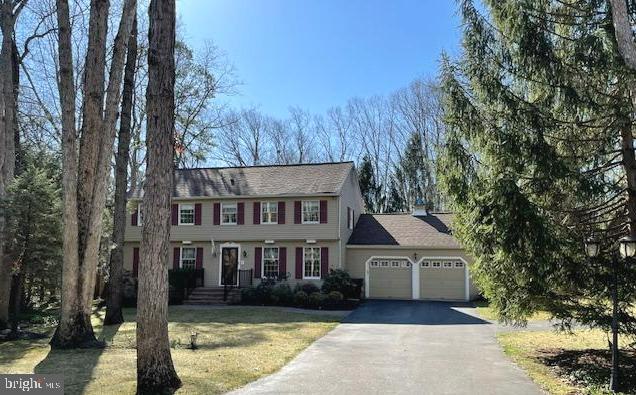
404	230
292	180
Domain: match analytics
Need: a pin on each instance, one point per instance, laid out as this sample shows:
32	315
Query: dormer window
311	212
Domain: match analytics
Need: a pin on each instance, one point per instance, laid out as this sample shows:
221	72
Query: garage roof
404	230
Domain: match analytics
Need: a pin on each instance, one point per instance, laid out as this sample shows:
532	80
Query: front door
229	265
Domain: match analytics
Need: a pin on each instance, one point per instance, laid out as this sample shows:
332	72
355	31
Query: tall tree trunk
8	130
98	129
114	298
155	370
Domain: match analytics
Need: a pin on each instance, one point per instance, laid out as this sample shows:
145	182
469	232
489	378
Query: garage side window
311	263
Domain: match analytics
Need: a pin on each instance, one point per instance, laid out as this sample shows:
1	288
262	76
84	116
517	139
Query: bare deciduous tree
84	202
155	370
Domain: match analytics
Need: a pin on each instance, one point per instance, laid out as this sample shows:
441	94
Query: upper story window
188	257
269	212
270	262
139	214
311	266
186	214
228	213
311	212
350	217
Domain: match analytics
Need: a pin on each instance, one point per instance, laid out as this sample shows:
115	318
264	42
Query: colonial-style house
301	221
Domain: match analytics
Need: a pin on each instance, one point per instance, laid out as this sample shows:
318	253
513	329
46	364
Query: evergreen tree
395	200
371	190
34	228
539	155
414	175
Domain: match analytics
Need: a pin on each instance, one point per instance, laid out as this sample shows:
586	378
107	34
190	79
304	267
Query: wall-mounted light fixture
415	256
186	242
244	254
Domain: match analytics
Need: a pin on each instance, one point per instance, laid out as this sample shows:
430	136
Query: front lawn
486	312
569	364
236	346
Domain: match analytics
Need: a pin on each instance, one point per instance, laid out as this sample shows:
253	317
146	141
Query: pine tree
414	174
539	156
371	190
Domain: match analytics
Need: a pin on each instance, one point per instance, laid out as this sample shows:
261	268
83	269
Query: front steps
213	295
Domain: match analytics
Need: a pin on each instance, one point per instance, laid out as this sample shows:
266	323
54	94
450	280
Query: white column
415	279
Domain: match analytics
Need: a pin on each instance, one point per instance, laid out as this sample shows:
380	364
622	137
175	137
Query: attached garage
390	279
403	256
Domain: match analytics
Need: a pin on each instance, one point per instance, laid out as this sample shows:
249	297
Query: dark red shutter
299	262
175	214
240	215
323	211
199	258
297	212
258	257
197	214
281	213
282	261
256	218
133	218
176	257
135	261
216	214
324	262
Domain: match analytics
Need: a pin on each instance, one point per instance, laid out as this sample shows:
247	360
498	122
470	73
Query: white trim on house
263	259
193	214
415	272
139	214
319	264
268	202
238	260
302	212
235	204
466	272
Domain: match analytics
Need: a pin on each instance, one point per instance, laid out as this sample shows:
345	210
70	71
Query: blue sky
316	54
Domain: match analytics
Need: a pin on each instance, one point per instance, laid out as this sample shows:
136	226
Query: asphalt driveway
402	347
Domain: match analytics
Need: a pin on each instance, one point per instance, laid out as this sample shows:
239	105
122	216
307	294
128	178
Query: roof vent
419	208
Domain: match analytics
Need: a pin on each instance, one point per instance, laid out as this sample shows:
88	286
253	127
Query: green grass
564	364
485	311
236	346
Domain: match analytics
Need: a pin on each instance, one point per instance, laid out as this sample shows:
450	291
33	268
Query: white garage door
390	279
442	279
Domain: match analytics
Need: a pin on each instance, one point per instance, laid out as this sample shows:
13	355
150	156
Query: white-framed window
350	218
459	264
384	263
375	263
436	264
186	214
228	213
406	264
188	257
269	212
395	263
426	264
311	263
270	262
311	211
448	265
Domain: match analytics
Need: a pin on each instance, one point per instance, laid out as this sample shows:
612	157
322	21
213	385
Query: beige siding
351	197
390	283
250	232
211	264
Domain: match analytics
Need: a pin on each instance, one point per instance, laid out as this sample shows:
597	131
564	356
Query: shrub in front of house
283	295
340	281
300	299
249	296
317	300
308	288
